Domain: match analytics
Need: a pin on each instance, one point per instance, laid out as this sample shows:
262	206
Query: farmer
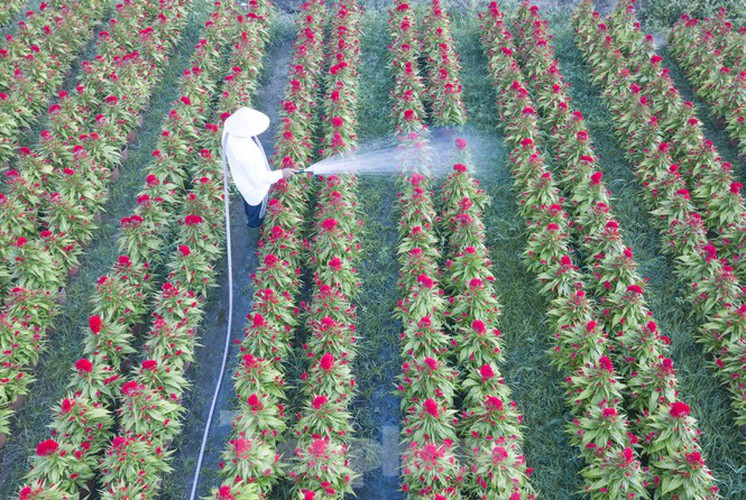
248	163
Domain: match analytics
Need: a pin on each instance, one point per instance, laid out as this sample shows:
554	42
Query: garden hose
226	198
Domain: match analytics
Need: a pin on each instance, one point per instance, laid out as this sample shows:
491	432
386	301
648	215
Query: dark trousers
253	212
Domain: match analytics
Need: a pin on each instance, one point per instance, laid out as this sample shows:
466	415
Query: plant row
82	423
638	346
152	409
712	53
34	63
713	287
251	459
599	429
323	431
709	179
444	87
49	211
490	426
427	384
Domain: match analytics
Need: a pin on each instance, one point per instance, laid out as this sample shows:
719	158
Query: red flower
527	143
335	264
679	410
493	403
605	364
84	365
735	187
186	101
271	259
318	448
431	363
327	362
478	326
47	447
21	241
486	372
67	405
431	407
309	495
424	280
149	364
184	250
499	454
695	459
337	122
628	456
258	320
460	143
329	224
225	493
95	323
475	283
609	412
596	178
129	388
459	167
319	401
254	402
635	289
409	115
192	220
711	252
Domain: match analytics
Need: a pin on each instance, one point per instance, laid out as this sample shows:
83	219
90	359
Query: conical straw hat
246	122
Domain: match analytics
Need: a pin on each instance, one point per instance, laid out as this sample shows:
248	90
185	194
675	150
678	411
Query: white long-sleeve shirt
249	167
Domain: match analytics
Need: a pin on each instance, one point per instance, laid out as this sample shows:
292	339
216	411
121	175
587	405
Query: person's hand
287	173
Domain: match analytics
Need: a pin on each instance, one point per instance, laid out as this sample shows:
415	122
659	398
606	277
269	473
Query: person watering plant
248	163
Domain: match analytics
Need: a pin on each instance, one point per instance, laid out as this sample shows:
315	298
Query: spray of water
389	155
